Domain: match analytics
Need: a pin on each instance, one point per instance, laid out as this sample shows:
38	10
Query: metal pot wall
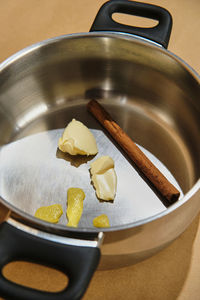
153	94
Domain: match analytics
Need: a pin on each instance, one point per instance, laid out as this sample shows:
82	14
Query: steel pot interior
152	94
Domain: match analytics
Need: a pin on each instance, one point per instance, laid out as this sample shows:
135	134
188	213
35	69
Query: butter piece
51	213
77	139
101	165
75	197
104	178
101	221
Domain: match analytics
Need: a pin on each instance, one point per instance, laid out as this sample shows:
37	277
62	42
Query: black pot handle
77	262
159	33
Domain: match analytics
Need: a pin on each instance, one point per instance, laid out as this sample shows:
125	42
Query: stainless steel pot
152	94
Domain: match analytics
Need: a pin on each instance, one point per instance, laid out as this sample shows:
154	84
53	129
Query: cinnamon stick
165	188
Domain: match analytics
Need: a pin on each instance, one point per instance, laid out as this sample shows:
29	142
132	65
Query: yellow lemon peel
101	221
75	197
51	213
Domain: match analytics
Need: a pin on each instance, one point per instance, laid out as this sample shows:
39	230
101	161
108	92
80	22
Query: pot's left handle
77	262
159	33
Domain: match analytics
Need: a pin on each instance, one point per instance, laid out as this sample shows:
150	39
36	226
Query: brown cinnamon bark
165	188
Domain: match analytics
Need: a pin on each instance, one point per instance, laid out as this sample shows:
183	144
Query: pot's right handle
159	33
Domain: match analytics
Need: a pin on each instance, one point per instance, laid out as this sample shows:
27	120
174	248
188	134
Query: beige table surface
174	273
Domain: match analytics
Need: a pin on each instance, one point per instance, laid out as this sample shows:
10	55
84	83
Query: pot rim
18	214
127	36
